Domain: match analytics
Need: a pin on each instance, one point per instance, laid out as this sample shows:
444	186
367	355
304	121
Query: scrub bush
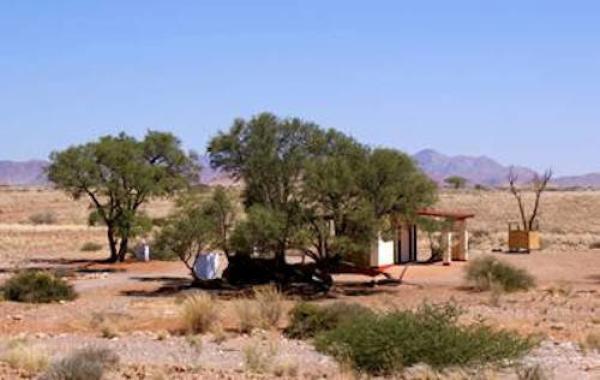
34	286
307	320
488	272
381	344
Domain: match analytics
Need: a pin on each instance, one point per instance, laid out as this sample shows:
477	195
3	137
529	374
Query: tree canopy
314	190
457	182
119	174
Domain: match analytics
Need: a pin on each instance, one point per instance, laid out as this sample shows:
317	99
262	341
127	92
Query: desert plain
134	307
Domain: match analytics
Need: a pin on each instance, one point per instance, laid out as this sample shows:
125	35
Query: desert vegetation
119	174
90	363
294	299
488	273
386	343
34	286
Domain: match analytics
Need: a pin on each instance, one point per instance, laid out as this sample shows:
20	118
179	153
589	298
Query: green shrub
384	343
88	363
91	247
487	272
37	287
307	320
46	217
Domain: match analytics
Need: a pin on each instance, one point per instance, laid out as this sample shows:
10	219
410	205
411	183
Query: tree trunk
112	242
123	248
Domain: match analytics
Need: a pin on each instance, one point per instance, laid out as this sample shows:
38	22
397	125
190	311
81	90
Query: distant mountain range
477	170
30	173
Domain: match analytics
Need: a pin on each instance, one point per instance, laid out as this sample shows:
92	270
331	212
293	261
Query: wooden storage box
519	240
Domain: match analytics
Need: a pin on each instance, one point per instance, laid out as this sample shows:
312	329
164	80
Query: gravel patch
204	352
565	361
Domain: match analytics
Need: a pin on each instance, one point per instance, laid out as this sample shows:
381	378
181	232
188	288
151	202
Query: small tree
456	182
539	184
119	174
197	225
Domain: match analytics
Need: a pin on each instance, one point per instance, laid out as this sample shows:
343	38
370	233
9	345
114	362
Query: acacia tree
314	190
539	185
119	174
457	182
269	154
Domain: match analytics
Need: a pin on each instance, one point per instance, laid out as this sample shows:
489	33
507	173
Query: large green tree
121	173
314	190
269	154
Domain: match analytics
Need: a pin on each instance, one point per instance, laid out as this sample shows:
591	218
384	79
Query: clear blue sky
515	80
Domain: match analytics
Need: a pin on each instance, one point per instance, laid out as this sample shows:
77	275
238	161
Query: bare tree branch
539	185
512	181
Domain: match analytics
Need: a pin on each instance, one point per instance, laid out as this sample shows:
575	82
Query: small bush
384	343
20	355
592	341
88	363
307	320
108	331
595	245
91	247
37	287
199	313
486	272
46	217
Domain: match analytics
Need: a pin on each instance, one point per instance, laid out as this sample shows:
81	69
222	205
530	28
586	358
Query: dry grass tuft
258	358
286	368
89	363
46	217
199	313
264	311
592	341
20	355
269	302
532	372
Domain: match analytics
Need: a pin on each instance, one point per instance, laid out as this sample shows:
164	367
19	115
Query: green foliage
307	319
91	247
198	224
37	287
456	182
89	363
46	217
119	174
383	344
302	182
488	273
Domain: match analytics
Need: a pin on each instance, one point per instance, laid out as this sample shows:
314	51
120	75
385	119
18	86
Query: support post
448	251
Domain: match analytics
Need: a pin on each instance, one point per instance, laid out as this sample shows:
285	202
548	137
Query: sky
518	81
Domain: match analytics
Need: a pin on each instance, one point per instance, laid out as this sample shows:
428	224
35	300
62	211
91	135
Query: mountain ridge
478	170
